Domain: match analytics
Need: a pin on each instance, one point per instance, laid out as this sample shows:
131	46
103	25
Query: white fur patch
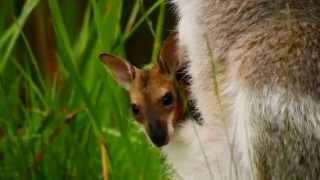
193	152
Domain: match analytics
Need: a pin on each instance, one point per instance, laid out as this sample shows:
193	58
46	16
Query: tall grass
61	114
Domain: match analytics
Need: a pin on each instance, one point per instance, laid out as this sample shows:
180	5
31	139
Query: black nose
158	134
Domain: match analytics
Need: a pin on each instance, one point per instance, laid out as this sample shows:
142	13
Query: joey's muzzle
158	132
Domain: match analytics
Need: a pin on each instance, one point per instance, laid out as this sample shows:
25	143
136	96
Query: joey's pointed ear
121	71
169	58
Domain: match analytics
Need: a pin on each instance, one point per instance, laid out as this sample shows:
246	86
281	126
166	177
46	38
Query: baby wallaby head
158	95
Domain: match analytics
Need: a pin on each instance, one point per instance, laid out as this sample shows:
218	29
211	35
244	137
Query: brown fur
149	87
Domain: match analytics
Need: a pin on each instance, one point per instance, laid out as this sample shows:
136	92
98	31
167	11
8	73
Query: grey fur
277	45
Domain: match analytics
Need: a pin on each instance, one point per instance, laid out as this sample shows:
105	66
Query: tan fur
149	95
157	96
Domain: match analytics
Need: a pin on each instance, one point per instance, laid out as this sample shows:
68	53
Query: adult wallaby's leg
266	56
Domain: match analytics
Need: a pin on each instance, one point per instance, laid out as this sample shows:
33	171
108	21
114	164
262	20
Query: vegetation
61	114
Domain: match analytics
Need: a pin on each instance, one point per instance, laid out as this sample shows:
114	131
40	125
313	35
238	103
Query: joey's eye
135	109
167	99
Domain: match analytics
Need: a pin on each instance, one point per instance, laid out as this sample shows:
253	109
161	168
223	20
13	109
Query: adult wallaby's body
255	66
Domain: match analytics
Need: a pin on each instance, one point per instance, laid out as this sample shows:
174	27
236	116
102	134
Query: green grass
76	125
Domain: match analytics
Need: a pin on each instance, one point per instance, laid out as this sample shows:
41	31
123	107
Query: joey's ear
169	59
122	71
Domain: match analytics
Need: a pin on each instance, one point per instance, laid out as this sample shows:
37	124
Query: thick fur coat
255	67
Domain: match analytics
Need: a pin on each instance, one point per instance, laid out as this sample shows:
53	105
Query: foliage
61	114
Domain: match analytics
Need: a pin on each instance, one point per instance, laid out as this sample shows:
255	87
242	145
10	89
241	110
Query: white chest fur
192	152
184	152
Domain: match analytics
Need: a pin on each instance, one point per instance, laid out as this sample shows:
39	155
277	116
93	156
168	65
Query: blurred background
61	114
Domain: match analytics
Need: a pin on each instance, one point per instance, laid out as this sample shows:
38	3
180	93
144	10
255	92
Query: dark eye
135	109
167	99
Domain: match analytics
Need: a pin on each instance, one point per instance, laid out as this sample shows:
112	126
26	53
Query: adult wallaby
255	68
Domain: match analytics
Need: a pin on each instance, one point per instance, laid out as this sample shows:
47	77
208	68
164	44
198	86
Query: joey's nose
158	134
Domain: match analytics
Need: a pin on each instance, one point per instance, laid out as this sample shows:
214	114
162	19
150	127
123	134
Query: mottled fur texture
263	114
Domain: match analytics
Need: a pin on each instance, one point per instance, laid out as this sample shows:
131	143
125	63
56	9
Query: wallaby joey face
157	98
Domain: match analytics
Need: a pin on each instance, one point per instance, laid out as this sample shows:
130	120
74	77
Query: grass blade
14	32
